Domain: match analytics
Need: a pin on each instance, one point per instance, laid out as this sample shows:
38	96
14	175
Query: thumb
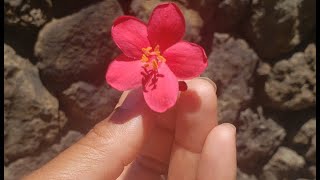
107	148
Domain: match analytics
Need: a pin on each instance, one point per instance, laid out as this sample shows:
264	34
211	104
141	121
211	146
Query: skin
136	143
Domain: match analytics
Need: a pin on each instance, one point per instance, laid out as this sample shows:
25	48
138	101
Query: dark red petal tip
183	86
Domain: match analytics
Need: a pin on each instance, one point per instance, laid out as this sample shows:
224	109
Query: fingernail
122	98
211	82
230	127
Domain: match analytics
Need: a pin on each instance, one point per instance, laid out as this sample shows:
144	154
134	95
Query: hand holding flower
134	143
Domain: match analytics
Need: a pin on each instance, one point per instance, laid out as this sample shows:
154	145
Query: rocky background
262	55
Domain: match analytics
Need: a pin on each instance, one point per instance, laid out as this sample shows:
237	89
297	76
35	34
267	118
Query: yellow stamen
157	50
161	58
147	50
144	58
155	64
152	57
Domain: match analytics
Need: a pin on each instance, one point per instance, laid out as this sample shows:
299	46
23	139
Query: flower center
152	58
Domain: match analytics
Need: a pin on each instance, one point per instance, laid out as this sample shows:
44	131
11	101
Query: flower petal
130	34
124	73
164	93
186	60
166	26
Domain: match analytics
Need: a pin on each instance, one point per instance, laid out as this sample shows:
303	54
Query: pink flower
154	56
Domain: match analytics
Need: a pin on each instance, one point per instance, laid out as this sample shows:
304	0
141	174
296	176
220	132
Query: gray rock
243	176
257	139
277	26
313	171
85	104
263	69
291	84
67	140
27	13
231	66
22	22
194	22
232	100
311	153
77	47
26	165
222	15
31	115
63	8
6	172
285	164
306	132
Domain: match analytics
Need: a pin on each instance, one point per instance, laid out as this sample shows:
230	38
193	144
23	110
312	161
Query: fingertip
203	86
200	96
225	131
218	159
208	80
206	90
224	136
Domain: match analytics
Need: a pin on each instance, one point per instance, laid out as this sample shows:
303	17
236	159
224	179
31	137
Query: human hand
135	143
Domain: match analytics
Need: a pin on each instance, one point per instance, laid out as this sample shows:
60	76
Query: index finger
196	117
